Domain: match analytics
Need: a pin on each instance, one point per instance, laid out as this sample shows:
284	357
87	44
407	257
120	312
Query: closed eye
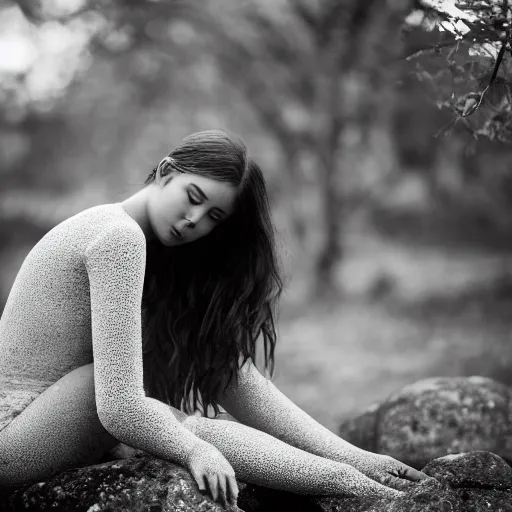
193	199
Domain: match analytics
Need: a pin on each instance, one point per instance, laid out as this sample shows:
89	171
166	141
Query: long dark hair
206	303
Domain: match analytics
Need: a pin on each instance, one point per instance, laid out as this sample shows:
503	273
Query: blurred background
393	211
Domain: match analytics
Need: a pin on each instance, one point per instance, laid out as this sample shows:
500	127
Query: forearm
261	459
152	426
257	403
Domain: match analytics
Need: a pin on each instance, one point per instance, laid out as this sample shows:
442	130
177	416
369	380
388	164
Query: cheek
171	206
203	228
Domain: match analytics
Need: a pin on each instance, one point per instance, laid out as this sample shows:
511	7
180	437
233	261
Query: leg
58	430
262	459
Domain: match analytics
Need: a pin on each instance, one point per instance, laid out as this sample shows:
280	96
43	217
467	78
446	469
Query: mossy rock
437	417
475	481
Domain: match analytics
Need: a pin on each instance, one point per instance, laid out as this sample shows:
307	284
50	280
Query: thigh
58	430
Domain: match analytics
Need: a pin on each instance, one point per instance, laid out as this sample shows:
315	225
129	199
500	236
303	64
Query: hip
16	395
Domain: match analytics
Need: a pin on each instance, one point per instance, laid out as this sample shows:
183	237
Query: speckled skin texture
77	299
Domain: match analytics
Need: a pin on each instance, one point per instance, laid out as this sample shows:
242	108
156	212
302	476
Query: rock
483	470
428	496
140	484
137	484
469	482
474	482
436	417
481	480
360	430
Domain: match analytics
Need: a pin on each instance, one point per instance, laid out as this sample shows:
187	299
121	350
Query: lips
176	233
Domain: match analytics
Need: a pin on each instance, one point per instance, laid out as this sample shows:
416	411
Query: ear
164	172
164	166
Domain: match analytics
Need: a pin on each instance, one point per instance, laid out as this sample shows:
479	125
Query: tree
313	72
297	62
474	49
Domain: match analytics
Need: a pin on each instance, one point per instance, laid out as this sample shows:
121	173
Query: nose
194	217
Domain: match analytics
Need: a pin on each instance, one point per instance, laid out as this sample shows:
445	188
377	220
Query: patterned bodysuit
77	299
48	310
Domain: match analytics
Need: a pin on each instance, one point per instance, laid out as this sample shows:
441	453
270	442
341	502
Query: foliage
469	65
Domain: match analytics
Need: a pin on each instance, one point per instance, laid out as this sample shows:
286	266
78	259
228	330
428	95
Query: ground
434	311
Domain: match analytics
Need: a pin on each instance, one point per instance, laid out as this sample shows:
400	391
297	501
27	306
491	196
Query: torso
45	329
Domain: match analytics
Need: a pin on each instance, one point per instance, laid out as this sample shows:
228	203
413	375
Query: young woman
127	317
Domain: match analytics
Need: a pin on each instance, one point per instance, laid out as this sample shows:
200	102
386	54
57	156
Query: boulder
481	480
136	484
479	470
477	481
437	417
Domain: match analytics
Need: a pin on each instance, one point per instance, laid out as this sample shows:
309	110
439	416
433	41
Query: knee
192	422
78	382
84	372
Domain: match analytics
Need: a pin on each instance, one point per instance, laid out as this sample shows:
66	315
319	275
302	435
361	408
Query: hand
206	462
391	472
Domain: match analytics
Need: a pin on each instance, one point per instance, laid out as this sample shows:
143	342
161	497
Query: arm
257	403
115	263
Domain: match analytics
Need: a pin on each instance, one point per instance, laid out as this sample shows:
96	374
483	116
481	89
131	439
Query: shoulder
117	239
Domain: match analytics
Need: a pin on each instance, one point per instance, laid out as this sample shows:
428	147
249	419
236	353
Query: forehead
219	193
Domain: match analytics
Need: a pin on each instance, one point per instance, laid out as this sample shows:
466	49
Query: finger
412	474
232	490
400	484
394	482
222	489
200	481
384	478
212	481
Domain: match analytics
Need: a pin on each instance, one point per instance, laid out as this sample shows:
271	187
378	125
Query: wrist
345	451
195	443
356	457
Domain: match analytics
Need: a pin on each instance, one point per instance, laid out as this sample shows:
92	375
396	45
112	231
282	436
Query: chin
164	241
169	242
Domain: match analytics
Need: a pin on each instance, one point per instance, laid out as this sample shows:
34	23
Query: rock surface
137	484
479	470
436	417
475	481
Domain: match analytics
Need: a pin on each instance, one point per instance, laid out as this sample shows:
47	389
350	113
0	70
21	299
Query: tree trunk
366	46
329	257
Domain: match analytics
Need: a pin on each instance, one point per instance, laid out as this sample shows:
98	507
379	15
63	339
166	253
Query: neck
136	207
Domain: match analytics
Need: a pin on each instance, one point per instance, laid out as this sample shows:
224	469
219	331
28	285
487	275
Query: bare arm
115	263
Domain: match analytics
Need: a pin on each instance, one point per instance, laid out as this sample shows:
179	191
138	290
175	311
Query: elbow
110	420
115	420
119	412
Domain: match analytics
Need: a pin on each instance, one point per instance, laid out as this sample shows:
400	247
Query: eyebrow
205	197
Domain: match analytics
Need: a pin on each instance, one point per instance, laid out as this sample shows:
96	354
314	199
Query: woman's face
183	207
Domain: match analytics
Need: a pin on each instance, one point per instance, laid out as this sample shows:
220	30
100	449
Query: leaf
470	106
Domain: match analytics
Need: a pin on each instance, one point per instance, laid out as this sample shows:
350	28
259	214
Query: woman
185	272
